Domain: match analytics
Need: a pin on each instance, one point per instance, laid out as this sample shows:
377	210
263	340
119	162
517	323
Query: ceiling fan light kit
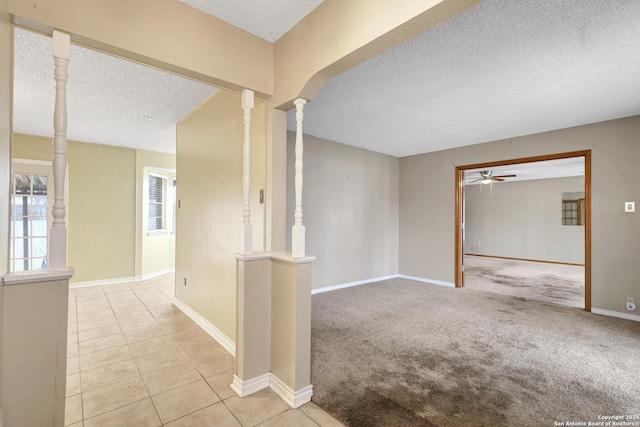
487	177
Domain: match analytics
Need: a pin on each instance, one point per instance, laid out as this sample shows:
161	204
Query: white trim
162	272
120	280
618	314
286	257
104	282
350	284
430	281
47	163
245	388
253	256
294	399
378	279
155	233
209	328
37	276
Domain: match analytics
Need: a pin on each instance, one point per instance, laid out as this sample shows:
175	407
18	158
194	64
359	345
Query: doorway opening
462	246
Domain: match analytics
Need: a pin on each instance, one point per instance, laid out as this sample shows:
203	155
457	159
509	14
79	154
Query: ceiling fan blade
475	180
497	178
505	176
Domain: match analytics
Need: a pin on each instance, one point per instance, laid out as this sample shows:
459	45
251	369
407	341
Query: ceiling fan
487	177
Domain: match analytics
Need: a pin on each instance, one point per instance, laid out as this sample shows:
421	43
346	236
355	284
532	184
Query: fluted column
247	228
298	233
58	234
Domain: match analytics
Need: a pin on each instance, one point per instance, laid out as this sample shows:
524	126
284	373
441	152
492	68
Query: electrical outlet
631	304
629	206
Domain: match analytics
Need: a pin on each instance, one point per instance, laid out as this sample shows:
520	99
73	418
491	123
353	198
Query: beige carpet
553	283
402	353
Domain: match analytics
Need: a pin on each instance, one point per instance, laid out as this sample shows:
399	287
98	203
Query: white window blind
174	205
157	190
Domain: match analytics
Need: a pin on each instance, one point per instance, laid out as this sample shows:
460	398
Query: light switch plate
629	206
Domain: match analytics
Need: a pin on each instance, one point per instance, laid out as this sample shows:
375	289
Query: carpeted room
405	352
535	363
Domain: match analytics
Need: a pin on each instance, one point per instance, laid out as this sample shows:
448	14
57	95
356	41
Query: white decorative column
298	233
58	234
247	229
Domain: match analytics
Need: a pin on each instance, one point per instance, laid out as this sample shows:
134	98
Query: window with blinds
157	192
175	211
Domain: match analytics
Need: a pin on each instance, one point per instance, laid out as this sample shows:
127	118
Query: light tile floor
134	359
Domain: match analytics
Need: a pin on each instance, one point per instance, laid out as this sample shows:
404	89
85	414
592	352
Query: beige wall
35	356
154	252
523	219
104	239
101	205
427	205
209	164
350	208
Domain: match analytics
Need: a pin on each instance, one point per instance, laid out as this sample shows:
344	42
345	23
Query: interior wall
100	208
523	219
154	252
102	214
350	208
427	203
209	161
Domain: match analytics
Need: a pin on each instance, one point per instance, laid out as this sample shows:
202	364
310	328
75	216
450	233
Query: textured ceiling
561	168
502	69
107	97
268	19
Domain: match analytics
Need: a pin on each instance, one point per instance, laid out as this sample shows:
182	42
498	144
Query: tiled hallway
134	359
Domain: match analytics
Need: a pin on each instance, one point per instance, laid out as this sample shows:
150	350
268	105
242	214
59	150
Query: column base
293	398
245	388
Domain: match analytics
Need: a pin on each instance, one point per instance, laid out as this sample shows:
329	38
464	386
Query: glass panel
39	247
39	206
19	206
38	264
29	223
39	185
18	247
21	227
23	184
18	265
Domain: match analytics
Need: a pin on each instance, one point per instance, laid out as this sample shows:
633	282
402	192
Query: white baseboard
209	328
245	388
158	273
430	281
350	284
120	280
293	399
618	314
378	279
105	282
